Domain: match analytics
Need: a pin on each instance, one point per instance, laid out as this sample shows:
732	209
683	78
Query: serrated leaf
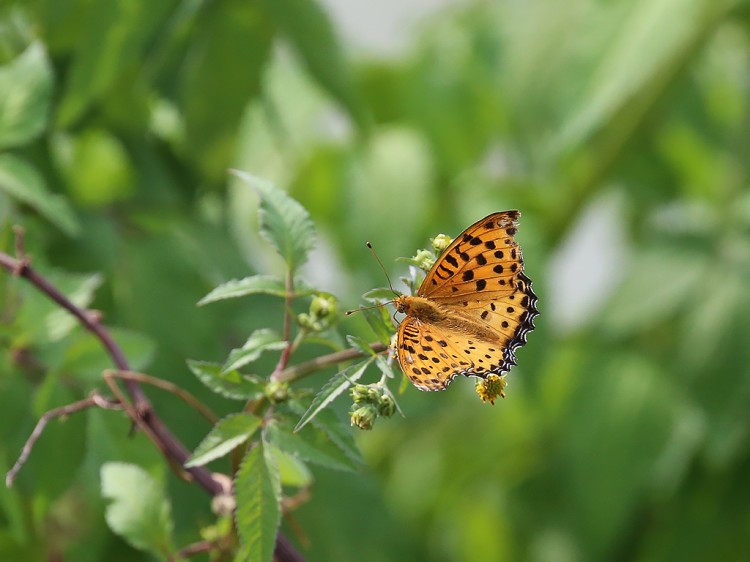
258	342
361	345
256	284
25	93
385	367
24	183
139	512
307	27
230	384
379	320
284	223
310	444
258	513
292	470
225	436
335	386
253	285
337	431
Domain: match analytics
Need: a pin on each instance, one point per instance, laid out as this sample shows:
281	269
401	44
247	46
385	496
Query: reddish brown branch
143	414
296	372
287	351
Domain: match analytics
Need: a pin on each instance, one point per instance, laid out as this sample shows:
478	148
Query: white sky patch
587	266
385	28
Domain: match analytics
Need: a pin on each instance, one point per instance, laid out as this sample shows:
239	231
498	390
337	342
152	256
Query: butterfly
473	310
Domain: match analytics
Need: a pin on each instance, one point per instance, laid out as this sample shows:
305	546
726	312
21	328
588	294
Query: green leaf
255	284
258	342
25	92
364	347
43	319
379	320
11	504
361	345
117	34
223	68
338	432
308	29
225	436
61	322
24	183
258	511
85	358
292	470
310	444
335	386
139	512
230	384
642	302
284	223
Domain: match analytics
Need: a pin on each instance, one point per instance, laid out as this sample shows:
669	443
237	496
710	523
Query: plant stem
297	372
173	449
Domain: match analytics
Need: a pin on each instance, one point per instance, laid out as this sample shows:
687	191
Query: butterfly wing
432	356
480	276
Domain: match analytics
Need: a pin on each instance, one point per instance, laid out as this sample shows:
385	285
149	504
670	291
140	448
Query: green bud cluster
323	310
277	391
370	401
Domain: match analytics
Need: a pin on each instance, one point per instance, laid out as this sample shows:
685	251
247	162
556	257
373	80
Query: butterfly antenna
390	285
349	312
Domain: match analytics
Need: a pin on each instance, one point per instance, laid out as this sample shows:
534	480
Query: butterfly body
427	311
473	309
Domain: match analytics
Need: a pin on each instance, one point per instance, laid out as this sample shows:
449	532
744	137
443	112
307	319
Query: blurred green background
620	129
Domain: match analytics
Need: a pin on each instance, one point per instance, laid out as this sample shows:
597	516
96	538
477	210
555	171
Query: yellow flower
491	387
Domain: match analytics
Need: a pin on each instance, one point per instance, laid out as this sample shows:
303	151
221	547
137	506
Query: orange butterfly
472	311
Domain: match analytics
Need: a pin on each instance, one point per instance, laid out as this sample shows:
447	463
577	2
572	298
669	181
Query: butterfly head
400	302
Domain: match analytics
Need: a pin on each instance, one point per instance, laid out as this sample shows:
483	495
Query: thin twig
142	413
314	365
95	400
138	420
181	393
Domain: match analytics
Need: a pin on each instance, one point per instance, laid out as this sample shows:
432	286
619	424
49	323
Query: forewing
483	259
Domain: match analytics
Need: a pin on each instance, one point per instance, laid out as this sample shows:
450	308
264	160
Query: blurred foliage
621	131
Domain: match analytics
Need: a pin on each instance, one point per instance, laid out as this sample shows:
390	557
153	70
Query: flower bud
441	242
277	391
386	406
364	416
360	393
424	259
323	306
